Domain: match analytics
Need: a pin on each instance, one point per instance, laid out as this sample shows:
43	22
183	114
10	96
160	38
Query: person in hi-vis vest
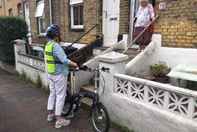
57	67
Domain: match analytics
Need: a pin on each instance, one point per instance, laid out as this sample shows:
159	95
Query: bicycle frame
94	96
98	112
73	79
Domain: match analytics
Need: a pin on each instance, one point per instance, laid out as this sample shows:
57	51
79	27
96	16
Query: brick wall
124	16
92	14
36	38
177	23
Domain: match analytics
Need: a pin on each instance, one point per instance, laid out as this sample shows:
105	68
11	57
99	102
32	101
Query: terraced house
132	99
176	22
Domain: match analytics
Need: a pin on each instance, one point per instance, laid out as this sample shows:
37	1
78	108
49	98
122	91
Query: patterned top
144	16
59	55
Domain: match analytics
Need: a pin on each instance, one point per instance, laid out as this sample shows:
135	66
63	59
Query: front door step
99	50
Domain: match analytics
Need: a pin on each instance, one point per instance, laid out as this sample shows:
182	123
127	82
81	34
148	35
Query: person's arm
73	64
152	13
134	19
59	52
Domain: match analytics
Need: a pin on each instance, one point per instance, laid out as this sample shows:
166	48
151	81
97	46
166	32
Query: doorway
135	4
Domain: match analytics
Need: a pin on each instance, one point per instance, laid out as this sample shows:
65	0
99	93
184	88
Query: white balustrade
33	62
162	95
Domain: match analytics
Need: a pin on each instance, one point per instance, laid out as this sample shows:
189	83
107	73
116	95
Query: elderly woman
143	17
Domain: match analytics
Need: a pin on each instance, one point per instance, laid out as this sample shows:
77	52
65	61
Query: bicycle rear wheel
100	118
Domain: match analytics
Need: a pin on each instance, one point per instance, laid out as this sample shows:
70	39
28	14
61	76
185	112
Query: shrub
11	28
159	70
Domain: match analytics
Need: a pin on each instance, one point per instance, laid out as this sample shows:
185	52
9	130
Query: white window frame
40	15
10	12
39	9
74	3
20	12
0	3
39	23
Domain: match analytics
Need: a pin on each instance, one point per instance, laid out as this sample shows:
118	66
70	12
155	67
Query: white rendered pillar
19	46
116	63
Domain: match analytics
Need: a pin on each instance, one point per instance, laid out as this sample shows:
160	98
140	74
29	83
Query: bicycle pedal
99	118
70	116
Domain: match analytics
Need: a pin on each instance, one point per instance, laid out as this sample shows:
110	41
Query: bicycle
98	113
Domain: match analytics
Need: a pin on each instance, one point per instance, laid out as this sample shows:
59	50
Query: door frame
133	11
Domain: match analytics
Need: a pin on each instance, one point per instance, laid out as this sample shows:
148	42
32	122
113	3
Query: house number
162	5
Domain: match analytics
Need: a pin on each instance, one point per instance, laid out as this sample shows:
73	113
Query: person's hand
153	18
134	19
73	64
84	68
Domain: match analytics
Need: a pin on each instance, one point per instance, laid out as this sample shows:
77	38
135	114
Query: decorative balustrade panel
33	62
178	102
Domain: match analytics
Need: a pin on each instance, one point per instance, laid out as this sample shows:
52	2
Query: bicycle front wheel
100	118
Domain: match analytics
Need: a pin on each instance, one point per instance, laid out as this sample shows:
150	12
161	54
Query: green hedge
11	28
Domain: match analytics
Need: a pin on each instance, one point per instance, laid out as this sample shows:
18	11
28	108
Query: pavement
23	109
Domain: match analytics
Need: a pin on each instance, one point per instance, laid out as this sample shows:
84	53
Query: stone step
130	52
88	89
86	102
98	50
92	81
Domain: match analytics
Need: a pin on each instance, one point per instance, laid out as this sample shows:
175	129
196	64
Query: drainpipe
4	8
50	6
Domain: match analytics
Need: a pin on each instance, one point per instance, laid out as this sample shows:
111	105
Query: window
10	12
41	17
20	12
76	14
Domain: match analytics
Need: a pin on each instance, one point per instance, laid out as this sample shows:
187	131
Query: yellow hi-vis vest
49	57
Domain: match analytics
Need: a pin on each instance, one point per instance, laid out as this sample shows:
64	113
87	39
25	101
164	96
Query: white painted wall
83	79
136	114
174	56
31	72
154	53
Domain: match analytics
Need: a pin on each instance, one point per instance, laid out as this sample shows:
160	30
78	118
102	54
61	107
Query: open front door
133	11
111	13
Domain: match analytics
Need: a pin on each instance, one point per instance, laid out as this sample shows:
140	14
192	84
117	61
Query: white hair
144	1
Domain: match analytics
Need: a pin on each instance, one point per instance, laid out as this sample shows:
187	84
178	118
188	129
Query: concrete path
23	109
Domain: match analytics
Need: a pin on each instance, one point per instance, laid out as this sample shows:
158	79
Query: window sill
41	36
76	30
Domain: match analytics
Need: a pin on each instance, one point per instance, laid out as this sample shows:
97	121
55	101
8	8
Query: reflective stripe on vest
49	57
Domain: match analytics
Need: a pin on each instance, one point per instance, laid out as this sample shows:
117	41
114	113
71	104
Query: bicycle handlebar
105	69
97	69
73	69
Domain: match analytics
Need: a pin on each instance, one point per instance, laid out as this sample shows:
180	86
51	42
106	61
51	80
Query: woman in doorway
143	17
